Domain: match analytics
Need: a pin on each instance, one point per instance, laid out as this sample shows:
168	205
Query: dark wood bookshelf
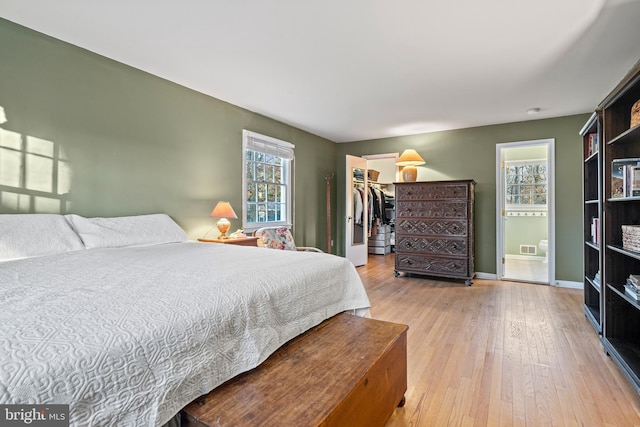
592	208
619	312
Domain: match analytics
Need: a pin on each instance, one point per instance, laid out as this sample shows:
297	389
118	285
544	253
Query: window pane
540	199
262	213
260	172
258	156
271	193
271	209
268	173
251	212
262	192
249	155
250	172
268	158
251	192
277	174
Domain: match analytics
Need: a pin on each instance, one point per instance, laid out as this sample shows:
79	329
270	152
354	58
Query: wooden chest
434	229
348	371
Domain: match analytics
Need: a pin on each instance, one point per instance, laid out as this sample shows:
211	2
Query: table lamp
223	210
409	160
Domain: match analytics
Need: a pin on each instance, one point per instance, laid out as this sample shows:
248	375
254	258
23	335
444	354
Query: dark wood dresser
434	228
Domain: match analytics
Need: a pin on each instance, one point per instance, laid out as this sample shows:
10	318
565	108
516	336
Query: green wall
524	231
471	154
109	140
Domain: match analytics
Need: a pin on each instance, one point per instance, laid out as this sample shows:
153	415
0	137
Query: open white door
356	226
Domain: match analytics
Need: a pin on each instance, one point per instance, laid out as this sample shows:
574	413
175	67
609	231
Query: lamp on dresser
223	210
409	160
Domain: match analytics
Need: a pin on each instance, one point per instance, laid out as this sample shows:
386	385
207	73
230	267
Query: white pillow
116	232
28	235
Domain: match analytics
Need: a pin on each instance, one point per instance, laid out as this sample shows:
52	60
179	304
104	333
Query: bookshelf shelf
593	283
628	136
618	290
623	251
627	357
592	245
591	158
623	199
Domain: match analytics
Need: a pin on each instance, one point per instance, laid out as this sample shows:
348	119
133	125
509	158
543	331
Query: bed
127	321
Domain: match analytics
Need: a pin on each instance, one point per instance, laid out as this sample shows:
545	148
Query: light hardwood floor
498	353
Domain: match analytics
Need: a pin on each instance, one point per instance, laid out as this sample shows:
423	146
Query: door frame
551	203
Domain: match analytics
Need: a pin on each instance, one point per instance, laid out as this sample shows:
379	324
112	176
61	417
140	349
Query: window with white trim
526	184
267	181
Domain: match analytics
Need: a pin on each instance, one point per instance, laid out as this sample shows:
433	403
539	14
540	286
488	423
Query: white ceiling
363	69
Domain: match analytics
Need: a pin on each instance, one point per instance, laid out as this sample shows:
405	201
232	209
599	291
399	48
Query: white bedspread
129	336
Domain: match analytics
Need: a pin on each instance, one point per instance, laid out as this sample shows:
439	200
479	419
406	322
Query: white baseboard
569	284
487	276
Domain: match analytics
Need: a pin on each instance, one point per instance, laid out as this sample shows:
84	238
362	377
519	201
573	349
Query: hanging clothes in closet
359	212
377	213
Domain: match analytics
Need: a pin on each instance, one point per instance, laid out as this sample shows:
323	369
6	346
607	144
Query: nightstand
240	241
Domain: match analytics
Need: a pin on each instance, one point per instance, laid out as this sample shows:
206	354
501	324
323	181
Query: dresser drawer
432	209
432	245
419	191
434	265
433	227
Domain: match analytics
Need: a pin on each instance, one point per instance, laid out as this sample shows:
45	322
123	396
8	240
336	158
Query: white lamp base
223	226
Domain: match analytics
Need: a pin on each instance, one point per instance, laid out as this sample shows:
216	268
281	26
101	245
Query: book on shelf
631	181
592	144
595	230
634	178
621	180
632	287
631	292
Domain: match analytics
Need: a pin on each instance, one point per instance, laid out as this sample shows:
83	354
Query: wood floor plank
498	353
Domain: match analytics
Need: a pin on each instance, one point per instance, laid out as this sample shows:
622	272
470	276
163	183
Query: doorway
525	230
370	235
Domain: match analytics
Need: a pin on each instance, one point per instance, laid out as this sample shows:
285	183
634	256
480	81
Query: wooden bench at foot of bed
347	371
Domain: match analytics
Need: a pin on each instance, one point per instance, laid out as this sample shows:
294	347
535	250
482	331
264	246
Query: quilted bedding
129	336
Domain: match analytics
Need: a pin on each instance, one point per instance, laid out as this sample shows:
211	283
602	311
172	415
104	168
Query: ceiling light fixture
535	110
